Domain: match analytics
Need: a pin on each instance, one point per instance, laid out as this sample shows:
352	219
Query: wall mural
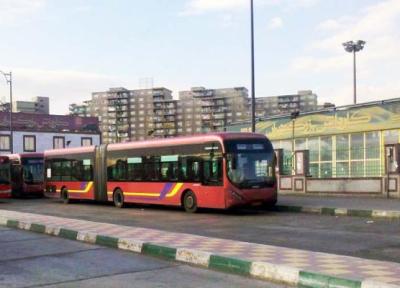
367	118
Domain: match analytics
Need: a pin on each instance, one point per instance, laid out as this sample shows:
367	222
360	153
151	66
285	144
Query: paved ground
153	241
36	260
352	236
364	203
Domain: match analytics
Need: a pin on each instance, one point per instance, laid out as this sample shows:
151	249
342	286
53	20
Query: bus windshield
250	163
4	173
33	170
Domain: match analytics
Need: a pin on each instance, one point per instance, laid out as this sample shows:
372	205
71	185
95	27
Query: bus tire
118	198
65	196
189	202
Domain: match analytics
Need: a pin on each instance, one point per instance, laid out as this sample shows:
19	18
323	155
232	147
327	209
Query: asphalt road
36	260
353	236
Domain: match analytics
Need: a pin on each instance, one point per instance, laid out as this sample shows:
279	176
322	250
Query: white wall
44	140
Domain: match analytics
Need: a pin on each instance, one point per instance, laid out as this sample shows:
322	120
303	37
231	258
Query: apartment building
38	105
203	110
129	115
303	101
134	114
81	110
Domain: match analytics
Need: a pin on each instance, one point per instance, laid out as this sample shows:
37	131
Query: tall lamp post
253	99
8	77
353	47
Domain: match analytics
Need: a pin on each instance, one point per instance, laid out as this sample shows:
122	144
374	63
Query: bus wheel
118	198
189	202
64	196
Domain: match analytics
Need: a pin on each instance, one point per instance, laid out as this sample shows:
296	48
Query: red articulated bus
5	182
26	172
220	170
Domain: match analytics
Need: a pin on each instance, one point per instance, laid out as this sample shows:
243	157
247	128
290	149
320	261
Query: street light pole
253	99
354	78
8	77
353	47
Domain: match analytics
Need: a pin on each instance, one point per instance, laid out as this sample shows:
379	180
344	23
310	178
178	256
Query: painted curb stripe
159	251
230	265
38	228
283	208
262	270
108	241
314	280
12	223
339	211
359	213
192	256
68	234
328	211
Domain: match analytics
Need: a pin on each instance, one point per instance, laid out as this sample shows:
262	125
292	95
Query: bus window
4	173
135	168
190	169
169	168
152	169
56	170
66	170
212	171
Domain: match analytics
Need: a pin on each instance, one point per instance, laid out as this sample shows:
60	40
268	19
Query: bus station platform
272	263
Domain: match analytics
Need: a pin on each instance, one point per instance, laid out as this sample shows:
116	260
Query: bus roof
25	155
199	138
4	159
75	150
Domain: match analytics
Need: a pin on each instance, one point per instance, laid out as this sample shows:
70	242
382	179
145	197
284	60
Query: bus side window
212	171
55	170
120	170
66	170
189	169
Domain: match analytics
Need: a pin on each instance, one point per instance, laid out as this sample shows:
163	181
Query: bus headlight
236	195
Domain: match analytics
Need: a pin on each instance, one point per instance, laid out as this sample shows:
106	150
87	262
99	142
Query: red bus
5	184
26	171
219	170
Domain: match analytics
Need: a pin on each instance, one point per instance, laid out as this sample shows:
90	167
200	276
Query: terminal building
40	132
341	142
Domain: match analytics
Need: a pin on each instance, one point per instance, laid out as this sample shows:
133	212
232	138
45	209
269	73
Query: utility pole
253	97
8	77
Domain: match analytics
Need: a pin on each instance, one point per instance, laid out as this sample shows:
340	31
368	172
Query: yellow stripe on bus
86	190
175	190
152	194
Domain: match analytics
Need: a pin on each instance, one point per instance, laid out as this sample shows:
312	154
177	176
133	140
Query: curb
332	211
260	270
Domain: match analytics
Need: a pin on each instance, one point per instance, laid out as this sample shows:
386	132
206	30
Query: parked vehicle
219	170
5	184
27	174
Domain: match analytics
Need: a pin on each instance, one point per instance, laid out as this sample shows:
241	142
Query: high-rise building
303	101
81	110
129	115
38	105
203	110
134	114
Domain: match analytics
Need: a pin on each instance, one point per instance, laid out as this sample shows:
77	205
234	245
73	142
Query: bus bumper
5	194
253	197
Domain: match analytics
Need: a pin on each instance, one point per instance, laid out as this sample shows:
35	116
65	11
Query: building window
29	143
86	141
5	142
58	142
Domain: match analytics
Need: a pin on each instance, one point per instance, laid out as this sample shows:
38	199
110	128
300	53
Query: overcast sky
67	49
